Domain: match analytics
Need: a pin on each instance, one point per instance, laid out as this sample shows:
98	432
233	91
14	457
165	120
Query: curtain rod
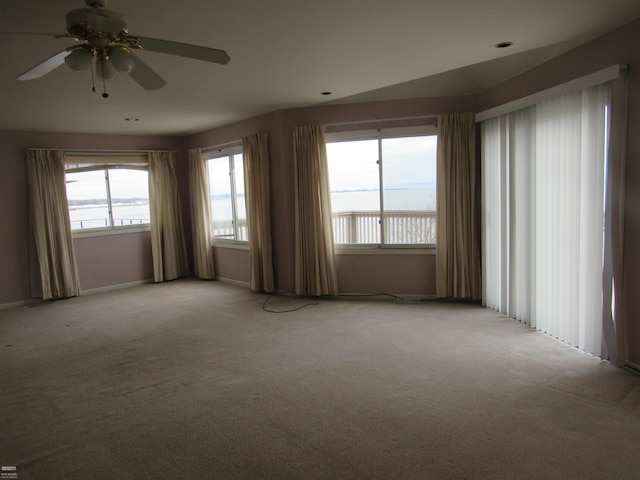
221	146
101	152
364	122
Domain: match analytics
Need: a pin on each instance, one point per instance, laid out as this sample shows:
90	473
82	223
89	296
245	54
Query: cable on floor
264	305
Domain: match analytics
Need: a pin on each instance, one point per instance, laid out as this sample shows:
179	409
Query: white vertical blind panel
593	148
558	129
491	153
522	226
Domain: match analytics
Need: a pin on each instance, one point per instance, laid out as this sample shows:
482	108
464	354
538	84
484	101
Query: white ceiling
284	53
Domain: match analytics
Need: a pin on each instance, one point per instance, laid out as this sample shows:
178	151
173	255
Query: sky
407	162
91	185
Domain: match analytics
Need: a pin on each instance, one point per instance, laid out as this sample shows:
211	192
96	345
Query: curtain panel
51	225
167	235
315	267
458	272
255	152
204	266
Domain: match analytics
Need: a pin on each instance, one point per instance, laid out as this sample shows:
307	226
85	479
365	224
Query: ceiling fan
106	46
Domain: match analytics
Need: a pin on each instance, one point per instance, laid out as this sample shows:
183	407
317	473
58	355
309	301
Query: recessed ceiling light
504	44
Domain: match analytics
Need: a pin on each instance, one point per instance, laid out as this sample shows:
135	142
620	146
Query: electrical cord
370	295
264	305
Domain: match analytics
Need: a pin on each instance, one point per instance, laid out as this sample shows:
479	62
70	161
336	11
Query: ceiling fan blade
185	50
45	67
145	76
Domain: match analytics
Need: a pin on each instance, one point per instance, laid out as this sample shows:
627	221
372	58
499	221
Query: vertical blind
543	184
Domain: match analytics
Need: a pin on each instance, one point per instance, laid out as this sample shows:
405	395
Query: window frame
380	134
103	162
229	151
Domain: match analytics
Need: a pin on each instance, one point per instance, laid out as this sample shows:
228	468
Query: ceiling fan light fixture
122	59
79	60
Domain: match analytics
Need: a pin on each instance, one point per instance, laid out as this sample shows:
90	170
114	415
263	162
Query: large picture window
383	186
107	192
225	171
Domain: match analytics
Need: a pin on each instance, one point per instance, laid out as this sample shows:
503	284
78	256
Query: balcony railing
104	222
225	230
401	227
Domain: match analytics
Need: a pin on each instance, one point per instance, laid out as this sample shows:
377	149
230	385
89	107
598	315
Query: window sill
385	250
235	244
103	232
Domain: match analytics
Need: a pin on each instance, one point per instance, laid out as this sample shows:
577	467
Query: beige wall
109	260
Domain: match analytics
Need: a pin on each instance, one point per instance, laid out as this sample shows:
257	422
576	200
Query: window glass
409	189
221	200
88	201
227	192
403	168
355	191
129	196
105	196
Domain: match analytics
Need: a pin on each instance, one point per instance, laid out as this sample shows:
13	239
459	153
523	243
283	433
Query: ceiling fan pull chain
104	81
93	79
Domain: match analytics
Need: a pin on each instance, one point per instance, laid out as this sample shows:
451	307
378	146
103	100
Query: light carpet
194	380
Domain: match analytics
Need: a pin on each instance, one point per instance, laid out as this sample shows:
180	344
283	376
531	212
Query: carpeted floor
195	380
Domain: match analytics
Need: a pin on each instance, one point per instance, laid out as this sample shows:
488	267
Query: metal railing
104	222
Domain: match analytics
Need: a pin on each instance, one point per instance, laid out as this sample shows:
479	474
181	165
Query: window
225	171
107	192
383	186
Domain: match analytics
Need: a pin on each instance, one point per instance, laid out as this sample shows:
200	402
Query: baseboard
400	298
23	303
632	366
232	281
116	287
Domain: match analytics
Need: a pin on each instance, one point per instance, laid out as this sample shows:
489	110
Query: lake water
96	216
424	199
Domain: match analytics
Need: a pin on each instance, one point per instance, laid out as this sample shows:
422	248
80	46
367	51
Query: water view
97	216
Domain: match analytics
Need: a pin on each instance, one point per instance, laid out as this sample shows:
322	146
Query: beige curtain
200	217
255	152
51	225
315	269
167	236
458	273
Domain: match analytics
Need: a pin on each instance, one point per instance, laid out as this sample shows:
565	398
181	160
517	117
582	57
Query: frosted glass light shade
79	60
121	59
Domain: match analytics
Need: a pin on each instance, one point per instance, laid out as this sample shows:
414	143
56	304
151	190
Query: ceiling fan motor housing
96	3
84	22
